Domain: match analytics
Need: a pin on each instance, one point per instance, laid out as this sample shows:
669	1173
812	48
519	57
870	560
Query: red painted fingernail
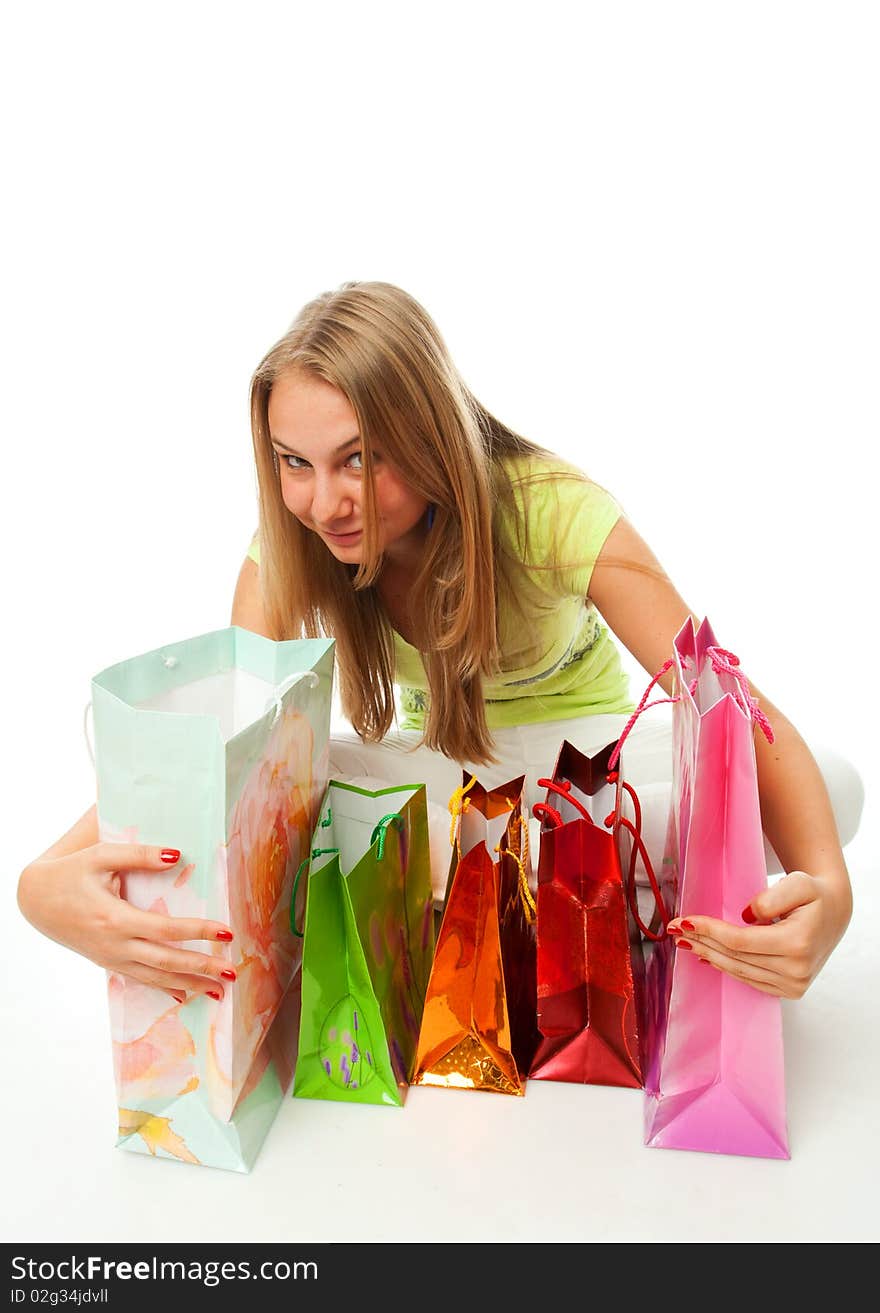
683	943
673	930
225	935
228	975
688	925
748	915
212	994
170	855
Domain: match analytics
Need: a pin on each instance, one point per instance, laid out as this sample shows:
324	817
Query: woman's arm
247	604
813	902
71	893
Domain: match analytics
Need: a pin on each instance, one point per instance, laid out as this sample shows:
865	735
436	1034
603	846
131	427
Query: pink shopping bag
714	1078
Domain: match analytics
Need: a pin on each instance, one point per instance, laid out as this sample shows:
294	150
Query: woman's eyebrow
337	452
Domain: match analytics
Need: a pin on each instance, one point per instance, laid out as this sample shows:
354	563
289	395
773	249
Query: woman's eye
294	462
358	458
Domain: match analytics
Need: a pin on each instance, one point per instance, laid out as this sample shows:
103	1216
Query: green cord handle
303	864
381	830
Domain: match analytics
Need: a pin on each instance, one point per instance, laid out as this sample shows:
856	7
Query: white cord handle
91	750
285	687
274	701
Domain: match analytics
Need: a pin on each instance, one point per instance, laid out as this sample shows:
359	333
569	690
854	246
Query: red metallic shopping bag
590	968
478	1025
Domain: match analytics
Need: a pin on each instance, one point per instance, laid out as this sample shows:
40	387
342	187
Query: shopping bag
478	1029
715	1078
219	745
369	939
590	967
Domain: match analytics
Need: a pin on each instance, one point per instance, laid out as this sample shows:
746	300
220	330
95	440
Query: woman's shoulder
556	512
525	468
545	487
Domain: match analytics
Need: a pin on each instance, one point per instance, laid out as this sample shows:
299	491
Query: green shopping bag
369	941
218	744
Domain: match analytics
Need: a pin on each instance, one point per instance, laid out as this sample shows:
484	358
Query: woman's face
314	432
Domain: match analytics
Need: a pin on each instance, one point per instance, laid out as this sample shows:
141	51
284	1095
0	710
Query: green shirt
558	660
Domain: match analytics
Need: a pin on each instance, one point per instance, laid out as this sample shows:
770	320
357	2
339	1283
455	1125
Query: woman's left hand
791	930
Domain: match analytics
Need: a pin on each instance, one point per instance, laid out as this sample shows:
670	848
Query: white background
648	234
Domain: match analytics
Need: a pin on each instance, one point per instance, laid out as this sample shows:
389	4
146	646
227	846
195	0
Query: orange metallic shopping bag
478	1028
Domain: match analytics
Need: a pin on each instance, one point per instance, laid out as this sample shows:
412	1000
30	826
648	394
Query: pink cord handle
726	663
643	706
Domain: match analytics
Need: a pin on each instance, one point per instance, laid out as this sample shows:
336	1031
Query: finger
758	939
766	988
166	959
173	983
792	891
152	925
753	966
132	857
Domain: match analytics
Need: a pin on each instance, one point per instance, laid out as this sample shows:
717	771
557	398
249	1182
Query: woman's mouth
343	539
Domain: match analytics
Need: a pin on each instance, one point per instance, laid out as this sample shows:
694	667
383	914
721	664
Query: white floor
564	1163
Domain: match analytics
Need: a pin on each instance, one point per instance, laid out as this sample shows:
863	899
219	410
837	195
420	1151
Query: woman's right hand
75	899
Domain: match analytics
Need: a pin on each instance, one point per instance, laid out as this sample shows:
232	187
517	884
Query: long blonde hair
381	349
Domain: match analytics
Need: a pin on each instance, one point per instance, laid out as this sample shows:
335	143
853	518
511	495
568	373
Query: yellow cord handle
458	804
525	892
524	836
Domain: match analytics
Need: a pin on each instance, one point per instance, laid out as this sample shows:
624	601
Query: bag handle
723	663
171	661
543	812
525	892
638	850
316	852
727	663
458	805
89	745
300	934
381	830
563	787
284	687
644	705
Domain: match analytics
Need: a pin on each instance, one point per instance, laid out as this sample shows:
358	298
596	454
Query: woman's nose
329	501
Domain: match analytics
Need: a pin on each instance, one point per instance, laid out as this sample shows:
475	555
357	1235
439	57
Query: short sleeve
567	518
254	550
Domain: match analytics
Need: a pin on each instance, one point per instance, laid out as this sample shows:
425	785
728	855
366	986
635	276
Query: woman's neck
405	554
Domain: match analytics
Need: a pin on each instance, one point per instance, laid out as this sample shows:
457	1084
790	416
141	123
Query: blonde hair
381	349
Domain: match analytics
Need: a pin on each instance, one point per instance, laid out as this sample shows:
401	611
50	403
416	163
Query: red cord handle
542	811
545	811
563	787
639	850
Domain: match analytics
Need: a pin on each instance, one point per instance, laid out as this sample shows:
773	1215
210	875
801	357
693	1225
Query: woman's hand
791	930
75	900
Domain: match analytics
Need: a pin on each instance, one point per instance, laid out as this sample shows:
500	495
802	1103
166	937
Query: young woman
483	577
